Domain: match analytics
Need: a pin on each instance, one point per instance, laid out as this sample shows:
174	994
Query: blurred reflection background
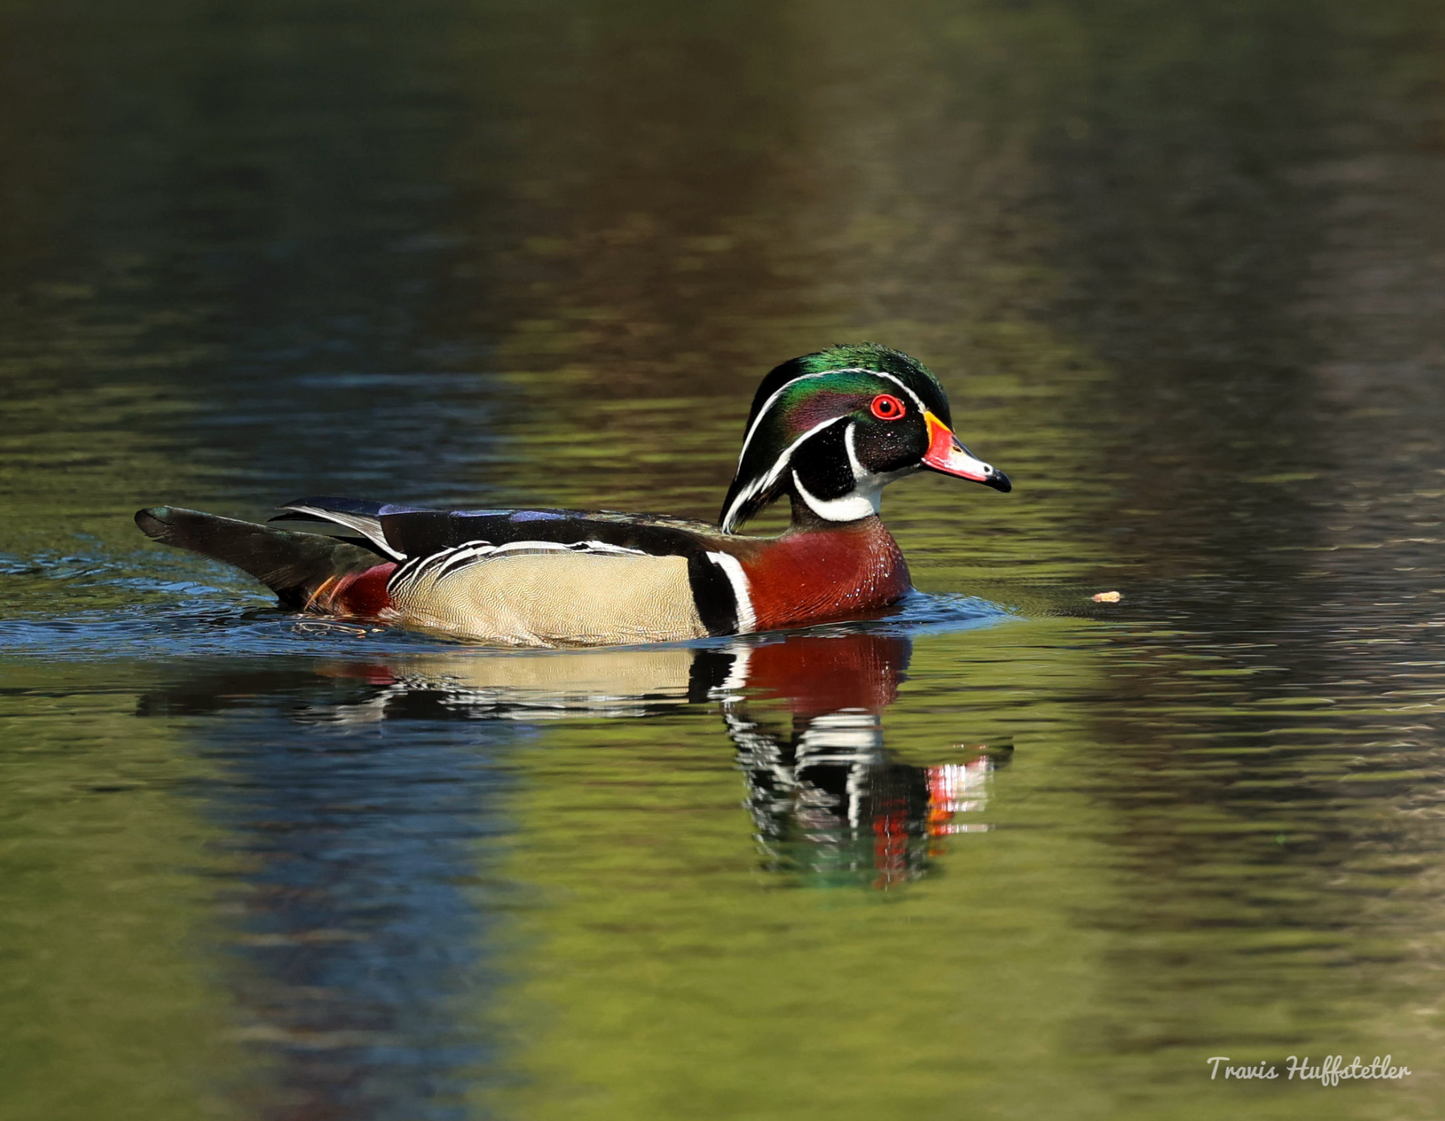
1180	266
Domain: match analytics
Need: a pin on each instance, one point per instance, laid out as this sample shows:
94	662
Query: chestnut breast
811	576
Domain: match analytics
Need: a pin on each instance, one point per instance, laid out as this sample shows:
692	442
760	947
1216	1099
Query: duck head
832	429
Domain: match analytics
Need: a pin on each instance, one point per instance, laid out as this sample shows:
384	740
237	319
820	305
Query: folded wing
540	577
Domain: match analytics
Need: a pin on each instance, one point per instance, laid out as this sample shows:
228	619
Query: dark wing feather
420	532
418	536
293	565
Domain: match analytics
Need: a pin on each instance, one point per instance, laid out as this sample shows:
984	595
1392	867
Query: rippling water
1007	852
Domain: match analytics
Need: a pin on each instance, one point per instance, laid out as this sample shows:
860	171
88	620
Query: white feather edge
457	557
368	527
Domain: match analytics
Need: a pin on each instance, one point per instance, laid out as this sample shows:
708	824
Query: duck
827	430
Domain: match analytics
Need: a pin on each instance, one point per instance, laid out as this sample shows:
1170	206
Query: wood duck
829	430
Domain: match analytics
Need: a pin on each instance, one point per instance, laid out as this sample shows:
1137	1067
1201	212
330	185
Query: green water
1007	853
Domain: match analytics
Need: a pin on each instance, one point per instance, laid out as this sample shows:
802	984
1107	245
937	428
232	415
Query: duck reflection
368	798
826	797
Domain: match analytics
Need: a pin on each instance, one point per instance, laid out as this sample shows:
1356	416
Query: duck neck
808	519
829	487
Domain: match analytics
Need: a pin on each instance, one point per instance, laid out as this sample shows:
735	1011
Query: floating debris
1107	597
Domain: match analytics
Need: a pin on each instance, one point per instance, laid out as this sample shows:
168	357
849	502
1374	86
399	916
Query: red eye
887	407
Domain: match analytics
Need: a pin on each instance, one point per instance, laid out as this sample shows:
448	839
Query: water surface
1008	852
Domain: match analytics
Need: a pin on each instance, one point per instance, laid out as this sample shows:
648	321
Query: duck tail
303	569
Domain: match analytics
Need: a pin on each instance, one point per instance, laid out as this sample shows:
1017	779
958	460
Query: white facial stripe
870	483
742	596
771	401
859	471
779	466
865	482
911	395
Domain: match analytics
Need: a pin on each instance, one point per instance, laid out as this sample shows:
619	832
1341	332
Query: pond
1008	851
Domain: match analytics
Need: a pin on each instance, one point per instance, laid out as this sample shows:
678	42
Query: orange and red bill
947	454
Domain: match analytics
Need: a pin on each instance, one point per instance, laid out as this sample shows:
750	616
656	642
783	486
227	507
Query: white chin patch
860	503
865	497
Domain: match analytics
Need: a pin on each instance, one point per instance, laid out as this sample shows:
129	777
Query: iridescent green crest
805	395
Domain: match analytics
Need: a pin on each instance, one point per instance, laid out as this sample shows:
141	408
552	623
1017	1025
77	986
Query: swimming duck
829	430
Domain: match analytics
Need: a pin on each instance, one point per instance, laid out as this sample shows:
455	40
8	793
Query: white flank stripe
747	618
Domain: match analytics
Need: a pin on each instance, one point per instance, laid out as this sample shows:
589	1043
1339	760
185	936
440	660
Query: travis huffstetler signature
1331	1072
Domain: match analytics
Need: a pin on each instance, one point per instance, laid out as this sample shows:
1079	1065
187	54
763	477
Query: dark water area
1008	852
